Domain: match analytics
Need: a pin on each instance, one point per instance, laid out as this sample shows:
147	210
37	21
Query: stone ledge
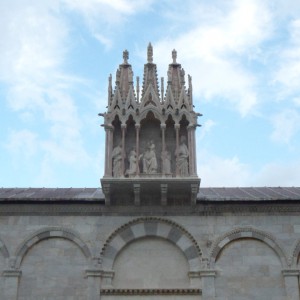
137	292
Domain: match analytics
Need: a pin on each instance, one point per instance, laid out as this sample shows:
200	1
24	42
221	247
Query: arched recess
151	227
47	233
246	233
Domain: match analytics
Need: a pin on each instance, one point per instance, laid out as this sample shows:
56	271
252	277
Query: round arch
47	233
246	233
151	227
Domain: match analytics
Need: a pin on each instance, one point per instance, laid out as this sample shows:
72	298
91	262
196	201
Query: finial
174	56
125	56
150	53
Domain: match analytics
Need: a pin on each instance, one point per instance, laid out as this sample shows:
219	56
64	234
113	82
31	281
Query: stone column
193	137
108	150
137	147
208	284
93	277
123	126
11	282
163	146
190	145
177	126
291	281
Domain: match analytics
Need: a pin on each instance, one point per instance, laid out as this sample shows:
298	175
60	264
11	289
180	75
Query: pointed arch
246	233
47	233
151	227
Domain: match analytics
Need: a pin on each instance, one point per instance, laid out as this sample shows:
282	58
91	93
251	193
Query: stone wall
223	256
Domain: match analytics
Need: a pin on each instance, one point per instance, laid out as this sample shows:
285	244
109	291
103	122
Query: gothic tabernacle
150	136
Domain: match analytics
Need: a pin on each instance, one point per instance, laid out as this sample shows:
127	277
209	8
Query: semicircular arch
151	227
46	233
246	233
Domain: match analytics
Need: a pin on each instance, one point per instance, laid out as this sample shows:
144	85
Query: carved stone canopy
150	134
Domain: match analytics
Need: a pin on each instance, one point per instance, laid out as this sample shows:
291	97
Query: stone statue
132	163
149	159
182	158
117	161
166	158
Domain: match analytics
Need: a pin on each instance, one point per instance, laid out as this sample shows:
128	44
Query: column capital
12	273
93	273
208	273
163	126
290	272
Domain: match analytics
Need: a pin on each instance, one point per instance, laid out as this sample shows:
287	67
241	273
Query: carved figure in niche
117	161
149	159
182	158
166	158
132	163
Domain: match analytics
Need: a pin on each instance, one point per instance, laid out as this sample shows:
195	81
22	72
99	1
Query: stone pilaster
291	281
208	284
93	277
11	282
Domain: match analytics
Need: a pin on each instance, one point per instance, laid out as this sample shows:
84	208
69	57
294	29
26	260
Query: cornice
96	209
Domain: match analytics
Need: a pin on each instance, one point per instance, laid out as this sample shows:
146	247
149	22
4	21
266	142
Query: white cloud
278	174
32	67
286	125
212	53
288	72
206	128
218	171
102	16
22	143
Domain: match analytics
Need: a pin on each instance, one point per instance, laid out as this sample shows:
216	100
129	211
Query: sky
56	56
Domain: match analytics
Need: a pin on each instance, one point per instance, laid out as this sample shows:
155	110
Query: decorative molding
46	233
140	292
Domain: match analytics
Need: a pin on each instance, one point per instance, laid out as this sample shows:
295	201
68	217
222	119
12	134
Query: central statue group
148	160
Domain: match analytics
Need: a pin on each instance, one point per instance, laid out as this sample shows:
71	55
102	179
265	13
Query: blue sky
56	56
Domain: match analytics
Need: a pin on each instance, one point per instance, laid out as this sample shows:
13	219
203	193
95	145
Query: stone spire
176	78
124	77
150	80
